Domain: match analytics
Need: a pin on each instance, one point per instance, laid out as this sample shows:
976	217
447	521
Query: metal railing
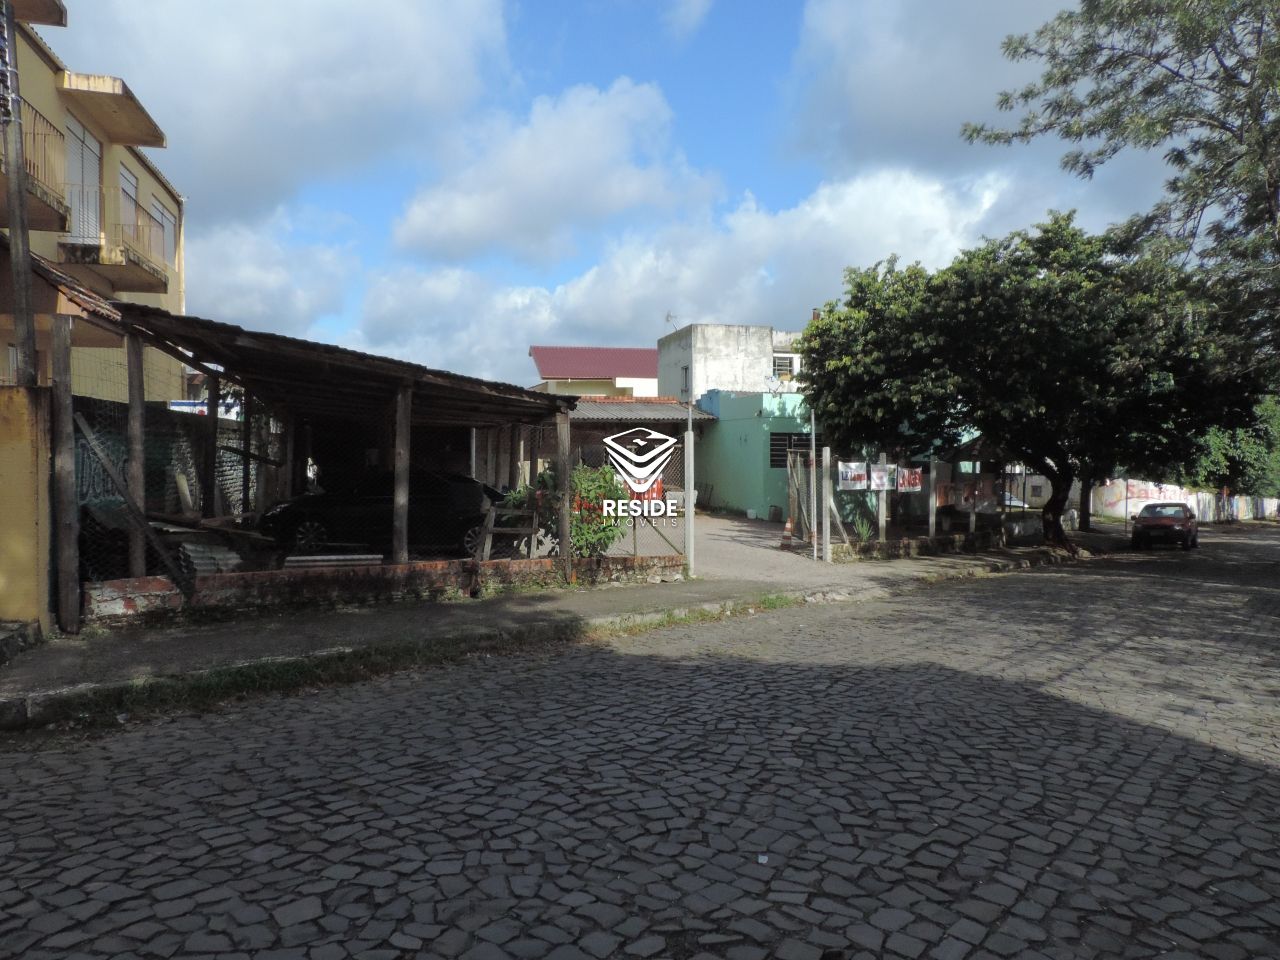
121	221
44	150
145	235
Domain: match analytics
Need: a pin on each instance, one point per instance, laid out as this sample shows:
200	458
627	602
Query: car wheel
1135	543
1186	543
309	536
473	541
1195	541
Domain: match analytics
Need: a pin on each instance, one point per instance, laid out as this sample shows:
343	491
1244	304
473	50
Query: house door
84	183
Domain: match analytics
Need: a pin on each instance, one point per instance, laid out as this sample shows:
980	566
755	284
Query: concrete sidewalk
40	684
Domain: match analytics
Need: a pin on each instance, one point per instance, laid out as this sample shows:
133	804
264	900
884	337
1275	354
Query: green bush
591	533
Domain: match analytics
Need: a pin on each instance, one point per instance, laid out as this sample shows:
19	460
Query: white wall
638	386
1109	501
720	356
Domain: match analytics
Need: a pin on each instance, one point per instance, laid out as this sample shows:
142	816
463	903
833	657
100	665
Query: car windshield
1163	510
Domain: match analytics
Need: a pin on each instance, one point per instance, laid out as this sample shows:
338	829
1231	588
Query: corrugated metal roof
595	363
635	408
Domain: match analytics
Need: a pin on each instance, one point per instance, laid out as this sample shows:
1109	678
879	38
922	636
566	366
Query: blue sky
449	181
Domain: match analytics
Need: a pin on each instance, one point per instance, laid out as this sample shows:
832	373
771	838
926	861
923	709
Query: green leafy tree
1199	79
1245	460
1070	358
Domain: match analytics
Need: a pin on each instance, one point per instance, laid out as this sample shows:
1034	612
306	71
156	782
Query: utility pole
24	321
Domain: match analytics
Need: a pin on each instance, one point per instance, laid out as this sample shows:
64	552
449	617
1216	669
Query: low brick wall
915	546
156	598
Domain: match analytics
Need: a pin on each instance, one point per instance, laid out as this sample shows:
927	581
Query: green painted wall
733	454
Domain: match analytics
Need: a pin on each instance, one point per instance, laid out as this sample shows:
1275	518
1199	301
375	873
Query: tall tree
1199	79
1067	356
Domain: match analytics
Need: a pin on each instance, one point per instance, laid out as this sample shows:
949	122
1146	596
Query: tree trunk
1086	497
1051	518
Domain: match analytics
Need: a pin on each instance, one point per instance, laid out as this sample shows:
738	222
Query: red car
1165	523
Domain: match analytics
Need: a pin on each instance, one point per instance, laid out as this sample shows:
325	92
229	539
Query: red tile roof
595	363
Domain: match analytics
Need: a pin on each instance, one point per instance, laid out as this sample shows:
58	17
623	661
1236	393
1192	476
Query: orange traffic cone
786	536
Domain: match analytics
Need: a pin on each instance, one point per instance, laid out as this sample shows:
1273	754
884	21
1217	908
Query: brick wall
154	598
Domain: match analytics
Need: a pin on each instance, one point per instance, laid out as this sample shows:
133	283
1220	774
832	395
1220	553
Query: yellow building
97	207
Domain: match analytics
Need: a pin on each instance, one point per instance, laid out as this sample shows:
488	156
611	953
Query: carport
290	409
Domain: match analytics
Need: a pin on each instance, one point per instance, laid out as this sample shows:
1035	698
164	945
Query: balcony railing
145	234
111	216
44	150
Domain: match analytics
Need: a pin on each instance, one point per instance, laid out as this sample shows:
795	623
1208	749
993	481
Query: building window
780	444
684	381
128	198
169	223
781	366
84	183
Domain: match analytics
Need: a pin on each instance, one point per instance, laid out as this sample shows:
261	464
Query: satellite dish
774	384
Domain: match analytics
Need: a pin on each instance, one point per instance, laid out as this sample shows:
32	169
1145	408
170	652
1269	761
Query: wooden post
24	320
246	446
491	456
289	488
883	506
826	504
400	500
690	504
535	436
209	473
563	470
136	472
513	456
66	506
933	498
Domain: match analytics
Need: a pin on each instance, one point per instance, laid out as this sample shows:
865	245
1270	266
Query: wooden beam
563	469
66	508
209	471
400	499
513	456
135	469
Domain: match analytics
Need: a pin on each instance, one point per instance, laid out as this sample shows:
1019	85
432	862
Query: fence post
209	475
66	508
136	475
400	499
566	493
826	504
883	506
690	501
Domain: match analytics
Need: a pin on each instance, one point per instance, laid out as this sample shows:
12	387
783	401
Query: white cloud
581	160
257	275
751	266
684	17
257	96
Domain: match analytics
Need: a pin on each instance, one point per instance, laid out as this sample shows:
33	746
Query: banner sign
910	479
853	476
880	476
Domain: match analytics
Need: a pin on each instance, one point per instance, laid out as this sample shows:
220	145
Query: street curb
346	664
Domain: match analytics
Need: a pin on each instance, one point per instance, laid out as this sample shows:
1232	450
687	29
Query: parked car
1165	523
446	510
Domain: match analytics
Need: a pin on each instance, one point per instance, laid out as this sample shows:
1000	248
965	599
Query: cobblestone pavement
1068	762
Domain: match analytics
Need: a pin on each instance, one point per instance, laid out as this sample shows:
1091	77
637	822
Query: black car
446	511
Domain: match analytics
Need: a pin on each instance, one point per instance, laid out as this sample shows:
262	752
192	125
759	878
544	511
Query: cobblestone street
1069	762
